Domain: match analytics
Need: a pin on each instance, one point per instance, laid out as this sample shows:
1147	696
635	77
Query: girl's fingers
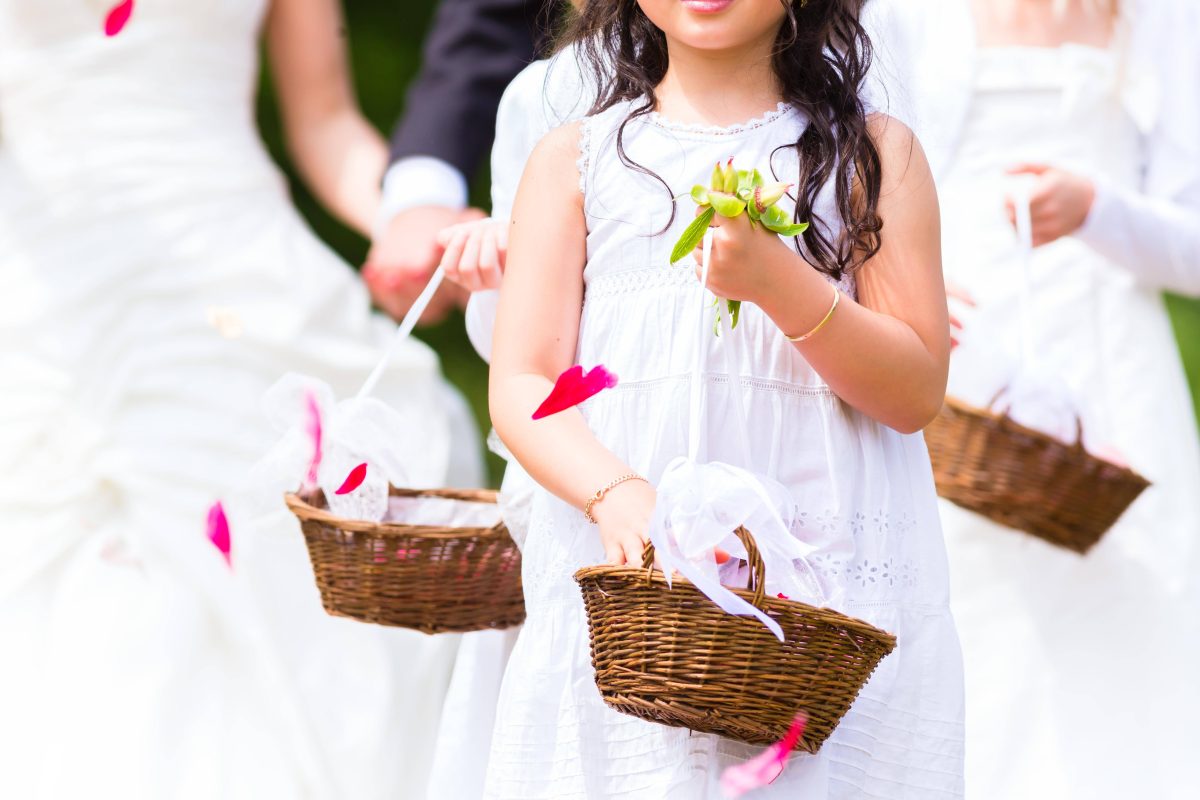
489	261
955	323
470	260
613	554
502	243
452	257
956	292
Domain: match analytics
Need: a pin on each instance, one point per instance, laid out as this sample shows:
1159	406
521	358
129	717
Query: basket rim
1003	419
307	512
656	578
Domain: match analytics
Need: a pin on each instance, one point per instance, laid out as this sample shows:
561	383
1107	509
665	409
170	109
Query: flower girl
842	338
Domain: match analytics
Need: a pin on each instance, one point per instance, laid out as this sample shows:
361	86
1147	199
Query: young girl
833	416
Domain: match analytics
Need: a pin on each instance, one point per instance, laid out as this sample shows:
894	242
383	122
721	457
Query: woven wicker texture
670	655
430	579
1022	478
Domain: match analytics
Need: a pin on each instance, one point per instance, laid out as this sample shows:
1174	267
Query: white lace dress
868	485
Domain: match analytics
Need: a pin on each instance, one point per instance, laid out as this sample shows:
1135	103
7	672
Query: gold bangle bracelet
603	490
837	296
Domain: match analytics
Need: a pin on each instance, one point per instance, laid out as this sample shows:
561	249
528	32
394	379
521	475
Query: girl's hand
474	253
956	292
624	518
1059	202
743	259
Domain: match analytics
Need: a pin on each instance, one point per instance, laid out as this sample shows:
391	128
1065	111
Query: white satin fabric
156	280
1061	649
853	480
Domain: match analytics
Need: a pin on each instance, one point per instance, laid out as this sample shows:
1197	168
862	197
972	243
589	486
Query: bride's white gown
137	208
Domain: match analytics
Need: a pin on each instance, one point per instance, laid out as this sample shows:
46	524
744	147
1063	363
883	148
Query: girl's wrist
798	297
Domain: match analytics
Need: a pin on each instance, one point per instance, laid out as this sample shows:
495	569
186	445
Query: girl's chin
706	6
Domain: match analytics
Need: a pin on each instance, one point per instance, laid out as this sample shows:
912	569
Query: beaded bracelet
603	490
837	296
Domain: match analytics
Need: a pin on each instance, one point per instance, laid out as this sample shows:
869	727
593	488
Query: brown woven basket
671	655
430	579
1025	479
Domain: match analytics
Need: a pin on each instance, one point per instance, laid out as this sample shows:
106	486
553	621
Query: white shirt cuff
420	181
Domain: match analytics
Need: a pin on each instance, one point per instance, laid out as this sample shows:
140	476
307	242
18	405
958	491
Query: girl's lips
707	6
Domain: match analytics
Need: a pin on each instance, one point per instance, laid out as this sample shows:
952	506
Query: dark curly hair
821	58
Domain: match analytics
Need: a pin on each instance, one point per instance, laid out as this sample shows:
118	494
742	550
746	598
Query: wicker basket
671	655
1025	479
430	579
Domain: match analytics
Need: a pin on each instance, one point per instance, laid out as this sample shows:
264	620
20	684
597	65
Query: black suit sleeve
473	50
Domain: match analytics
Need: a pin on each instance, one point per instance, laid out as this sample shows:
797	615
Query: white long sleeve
1155	238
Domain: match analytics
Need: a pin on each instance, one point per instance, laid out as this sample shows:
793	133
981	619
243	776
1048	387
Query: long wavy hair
820	59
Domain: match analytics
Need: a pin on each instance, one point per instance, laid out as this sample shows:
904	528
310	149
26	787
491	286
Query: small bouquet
732	192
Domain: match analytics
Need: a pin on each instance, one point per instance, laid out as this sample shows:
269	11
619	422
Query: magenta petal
114	23
353	480
218	531
573	387
763	769
313	428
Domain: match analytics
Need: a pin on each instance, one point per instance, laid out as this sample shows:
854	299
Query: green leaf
726	204
692	235
735	311
791	229
700	195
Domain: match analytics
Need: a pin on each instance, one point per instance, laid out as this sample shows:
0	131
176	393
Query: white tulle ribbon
700	506
398	448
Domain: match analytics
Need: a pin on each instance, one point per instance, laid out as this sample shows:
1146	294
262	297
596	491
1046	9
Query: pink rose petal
783	596
218	531
763	769
573	387
353	480
312	427
115	21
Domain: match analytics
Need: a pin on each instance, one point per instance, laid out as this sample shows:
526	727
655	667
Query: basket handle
758	570
1077	444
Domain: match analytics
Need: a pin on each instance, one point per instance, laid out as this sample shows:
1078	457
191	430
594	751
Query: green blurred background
385	45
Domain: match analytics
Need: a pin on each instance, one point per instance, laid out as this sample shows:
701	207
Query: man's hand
405	254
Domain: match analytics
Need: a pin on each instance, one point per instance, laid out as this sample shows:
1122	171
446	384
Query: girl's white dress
156	280
1080	671
866	484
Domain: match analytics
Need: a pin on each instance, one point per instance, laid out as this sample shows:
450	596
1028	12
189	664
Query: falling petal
573	387
720	555
764	768
218	531
114	23
312	427
353	480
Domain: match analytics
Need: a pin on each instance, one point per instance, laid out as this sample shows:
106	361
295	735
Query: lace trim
613	284
636	280
720	379
781	110
585	146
